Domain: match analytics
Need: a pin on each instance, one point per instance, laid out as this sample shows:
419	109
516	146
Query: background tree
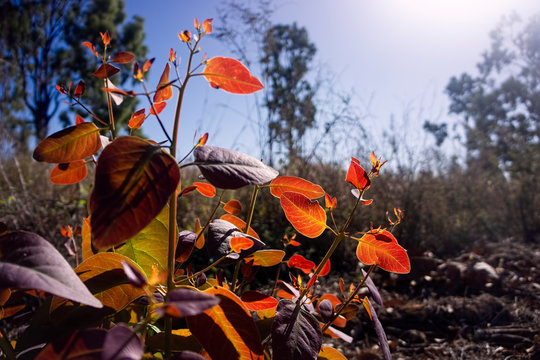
40	48
501	111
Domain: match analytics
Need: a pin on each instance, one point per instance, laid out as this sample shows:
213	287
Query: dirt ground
483	304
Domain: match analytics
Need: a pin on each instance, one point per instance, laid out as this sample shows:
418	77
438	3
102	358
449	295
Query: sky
394	57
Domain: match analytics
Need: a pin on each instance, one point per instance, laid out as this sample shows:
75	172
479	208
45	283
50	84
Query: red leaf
123	57
357	176
326	269
381	248
188	190
295	184
202	140
233	207
205	189
68	173
159	107
256	301
105	37
148	64
307	217
163	93
106	70
240	243
79	90
230	75
330	202
300	262
91	47
137	119
78	119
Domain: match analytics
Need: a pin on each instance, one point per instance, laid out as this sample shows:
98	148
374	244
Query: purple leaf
186	302
121	343
383	340
326	309
296	334
373	289
27	261
135	277
220	233
186	242
229	169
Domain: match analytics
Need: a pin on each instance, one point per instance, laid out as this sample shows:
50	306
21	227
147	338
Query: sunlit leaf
230	75
231	323
172	55
307	216
134	180
330	202
229	169
282	184
266	258
300	262
183	302
380	247
257	301
91	47
205	189
357	176
80	89
233	207
148	64
163	93
84	344
106	70
207	26
202	140
220	233
106	38
122	343
326	269
240	224
296	334
328	353
27	261
150	246
78	119
137	119
159	107
123	57
200	235
239	243
73	143
68	173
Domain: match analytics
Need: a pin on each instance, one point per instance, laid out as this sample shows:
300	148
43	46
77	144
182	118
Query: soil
483	304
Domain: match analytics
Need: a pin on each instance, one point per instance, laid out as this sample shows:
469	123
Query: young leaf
326	269
266	258
230	75
73	143
80	89
68	173
282	184
256	301
330	202
137	119
163	92
357	176
134	180
106	70
300	262
307	216
91	47
205	189
78	119
159	107
381	248
383	340
123	57
233	207
82	344
229	169
240	224
122	343
27	261
187	302
220	233
239	243
296	334
207	26
200	235
328	353
231	323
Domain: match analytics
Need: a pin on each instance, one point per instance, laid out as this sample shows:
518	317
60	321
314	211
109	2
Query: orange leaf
172	55
205	189
266	258
300	262
230	75
295	184
148	64
357	176
202	140
326	269
328	353
207	26
240	224
137	119
200	236
66	231
123	57
159	107
307	217
233	207
367	307
240	243
106	38
91	47
256	301
185	36
330	202
381	248
163	93
68	173
106	70
78	119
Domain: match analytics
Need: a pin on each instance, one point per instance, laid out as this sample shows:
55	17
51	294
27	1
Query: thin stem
155	112
235	275
252	207
209	267
109	106
6	347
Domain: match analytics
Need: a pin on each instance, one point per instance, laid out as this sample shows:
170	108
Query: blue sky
395	56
